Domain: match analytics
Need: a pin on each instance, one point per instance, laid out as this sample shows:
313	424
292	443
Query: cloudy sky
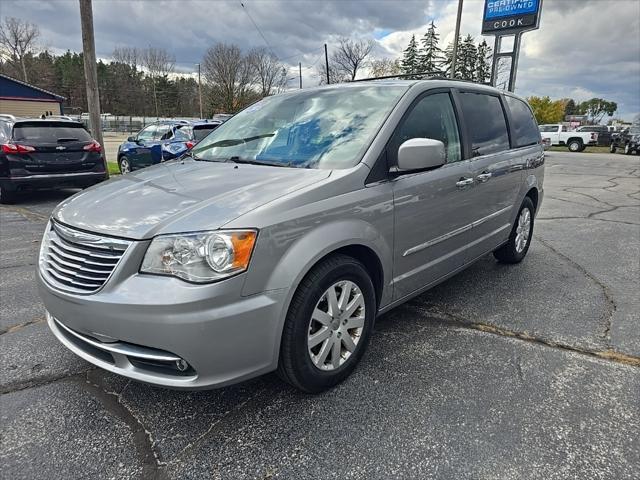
583	49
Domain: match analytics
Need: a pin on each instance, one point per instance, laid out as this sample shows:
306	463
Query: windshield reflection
327	128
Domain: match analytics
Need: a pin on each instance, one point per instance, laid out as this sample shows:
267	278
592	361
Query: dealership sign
510	16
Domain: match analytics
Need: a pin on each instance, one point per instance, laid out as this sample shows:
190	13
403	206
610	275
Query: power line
258	29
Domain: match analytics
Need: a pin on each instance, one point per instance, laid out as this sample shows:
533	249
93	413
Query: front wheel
125	165
575	146
612	148
627	149
517	246
328	325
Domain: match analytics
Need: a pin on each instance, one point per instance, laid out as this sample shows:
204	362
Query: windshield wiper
257	162
230	142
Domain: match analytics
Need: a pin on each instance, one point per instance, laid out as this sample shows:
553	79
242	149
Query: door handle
484	177
464	182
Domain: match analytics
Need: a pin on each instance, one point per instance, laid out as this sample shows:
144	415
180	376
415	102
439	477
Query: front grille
78	262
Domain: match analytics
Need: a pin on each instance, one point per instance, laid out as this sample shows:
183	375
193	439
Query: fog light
182	365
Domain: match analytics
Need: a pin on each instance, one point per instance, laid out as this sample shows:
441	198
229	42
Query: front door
140	155
433	209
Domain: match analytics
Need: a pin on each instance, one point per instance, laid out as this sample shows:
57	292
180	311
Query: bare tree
229	74
158	63
335	74
17	39
351	56
128	55
382	67
270	74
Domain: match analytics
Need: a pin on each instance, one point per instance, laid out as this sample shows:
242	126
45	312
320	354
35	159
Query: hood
180	196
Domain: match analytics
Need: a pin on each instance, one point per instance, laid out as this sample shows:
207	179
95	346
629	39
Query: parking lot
511	372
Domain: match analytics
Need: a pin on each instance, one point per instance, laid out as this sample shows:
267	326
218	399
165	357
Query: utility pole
199	90
90	69
326	63
300	72
455	41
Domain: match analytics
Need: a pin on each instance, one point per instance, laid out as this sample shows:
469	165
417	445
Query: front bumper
140	325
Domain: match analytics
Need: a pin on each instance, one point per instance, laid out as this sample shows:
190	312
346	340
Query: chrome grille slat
76	274
76	261
86	251
79	259
75	265
74	282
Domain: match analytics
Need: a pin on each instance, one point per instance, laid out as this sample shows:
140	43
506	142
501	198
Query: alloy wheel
124	166
523	230
336	325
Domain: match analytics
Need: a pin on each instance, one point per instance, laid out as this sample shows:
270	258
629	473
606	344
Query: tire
575	145
296	364
627	149
7	197
124	164
612	148
514	251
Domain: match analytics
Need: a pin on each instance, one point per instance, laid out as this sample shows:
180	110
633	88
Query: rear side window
200	132
43	132
485	122
432	117
524	125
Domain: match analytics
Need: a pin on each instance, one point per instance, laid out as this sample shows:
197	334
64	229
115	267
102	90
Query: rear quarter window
523	125
43	132
486	123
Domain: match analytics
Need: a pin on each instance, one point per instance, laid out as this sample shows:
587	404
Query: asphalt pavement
529	371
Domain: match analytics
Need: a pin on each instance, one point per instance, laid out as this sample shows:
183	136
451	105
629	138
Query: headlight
200	257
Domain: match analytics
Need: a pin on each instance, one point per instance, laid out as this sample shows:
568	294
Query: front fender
301	254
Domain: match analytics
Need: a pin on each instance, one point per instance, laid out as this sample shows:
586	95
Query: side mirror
420	154
131	139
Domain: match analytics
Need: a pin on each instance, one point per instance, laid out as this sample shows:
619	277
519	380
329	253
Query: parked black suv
43	154
628	140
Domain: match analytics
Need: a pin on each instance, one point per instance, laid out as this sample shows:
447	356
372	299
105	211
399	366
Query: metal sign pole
494	62
514	61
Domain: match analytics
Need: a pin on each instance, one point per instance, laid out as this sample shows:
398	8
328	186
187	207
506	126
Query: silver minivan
275	242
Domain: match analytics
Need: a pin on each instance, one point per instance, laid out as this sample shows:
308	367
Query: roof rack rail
411	76
423	76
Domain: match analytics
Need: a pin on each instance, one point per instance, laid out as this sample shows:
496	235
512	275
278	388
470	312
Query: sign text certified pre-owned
510	15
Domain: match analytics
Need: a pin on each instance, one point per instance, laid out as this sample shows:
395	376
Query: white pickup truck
560	135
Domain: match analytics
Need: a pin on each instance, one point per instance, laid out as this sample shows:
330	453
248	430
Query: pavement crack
152	466
223	419
587	218
6	389
20	326
611	304
607	354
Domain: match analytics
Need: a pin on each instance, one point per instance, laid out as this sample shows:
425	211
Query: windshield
327	128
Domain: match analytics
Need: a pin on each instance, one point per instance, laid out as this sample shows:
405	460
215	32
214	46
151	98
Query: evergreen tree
570	107
410	60
430	55
448	59
467	56
483	63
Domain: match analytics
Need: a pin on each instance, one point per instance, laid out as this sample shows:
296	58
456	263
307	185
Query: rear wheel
627	149
125	165
575	145
328	325
517	246
612	148
7	196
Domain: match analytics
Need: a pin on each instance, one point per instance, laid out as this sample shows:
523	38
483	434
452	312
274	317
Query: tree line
143	81
555	111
